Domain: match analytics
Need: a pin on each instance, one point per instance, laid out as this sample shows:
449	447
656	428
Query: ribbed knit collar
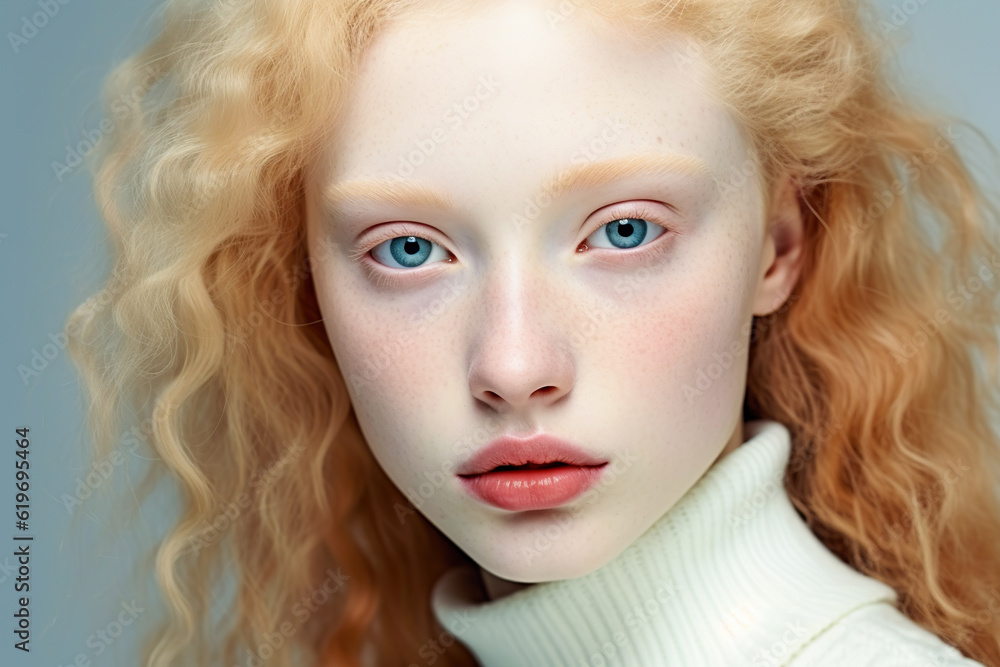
730	575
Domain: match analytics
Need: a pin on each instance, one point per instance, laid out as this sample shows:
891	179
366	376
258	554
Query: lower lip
532	489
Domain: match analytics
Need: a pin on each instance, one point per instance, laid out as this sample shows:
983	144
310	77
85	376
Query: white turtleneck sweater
731	575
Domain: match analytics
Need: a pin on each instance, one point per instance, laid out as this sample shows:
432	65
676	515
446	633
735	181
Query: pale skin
533	319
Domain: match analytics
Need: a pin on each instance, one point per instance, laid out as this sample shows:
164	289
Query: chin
533	558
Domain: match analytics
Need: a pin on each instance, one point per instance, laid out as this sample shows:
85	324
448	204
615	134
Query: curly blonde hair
883	365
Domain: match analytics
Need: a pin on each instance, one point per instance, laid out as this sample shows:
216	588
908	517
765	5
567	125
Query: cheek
395	370
713	370
381	357
687	350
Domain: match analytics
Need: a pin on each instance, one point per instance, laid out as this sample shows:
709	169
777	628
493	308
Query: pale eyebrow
398	192
403	193
593	174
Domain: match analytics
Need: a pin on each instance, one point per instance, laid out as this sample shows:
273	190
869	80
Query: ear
783	248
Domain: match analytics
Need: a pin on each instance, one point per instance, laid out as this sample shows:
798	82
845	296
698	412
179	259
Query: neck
496	587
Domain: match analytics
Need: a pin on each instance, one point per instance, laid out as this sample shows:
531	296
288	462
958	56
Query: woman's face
578	253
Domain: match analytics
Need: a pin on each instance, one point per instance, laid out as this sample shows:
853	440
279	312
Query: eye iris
410	251
626	232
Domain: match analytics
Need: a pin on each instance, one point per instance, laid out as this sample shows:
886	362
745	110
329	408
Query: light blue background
52	258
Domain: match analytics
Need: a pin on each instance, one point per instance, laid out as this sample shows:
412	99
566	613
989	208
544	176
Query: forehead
520	83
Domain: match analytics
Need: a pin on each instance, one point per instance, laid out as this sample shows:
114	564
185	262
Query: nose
520	361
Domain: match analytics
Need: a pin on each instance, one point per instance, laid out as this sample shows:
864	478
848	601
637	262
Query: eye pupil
410	251
626	232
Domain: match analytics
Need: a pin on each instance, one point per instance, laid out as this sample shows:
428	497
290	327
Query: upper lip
538	449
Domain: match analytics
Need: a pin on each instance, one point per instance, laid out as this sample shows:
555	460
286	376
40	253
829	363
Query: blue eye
622	233
625	233
406	252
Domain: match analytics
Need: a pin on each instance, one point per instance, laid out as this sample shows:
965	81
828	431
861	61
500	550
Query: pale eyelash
382	237
389	277
648	252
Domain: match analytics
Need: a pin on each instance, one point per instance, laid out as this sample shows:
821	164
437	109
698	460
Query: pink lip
553	472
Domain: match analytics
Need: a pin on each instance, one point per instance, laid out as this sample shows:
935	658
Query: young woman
537	333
